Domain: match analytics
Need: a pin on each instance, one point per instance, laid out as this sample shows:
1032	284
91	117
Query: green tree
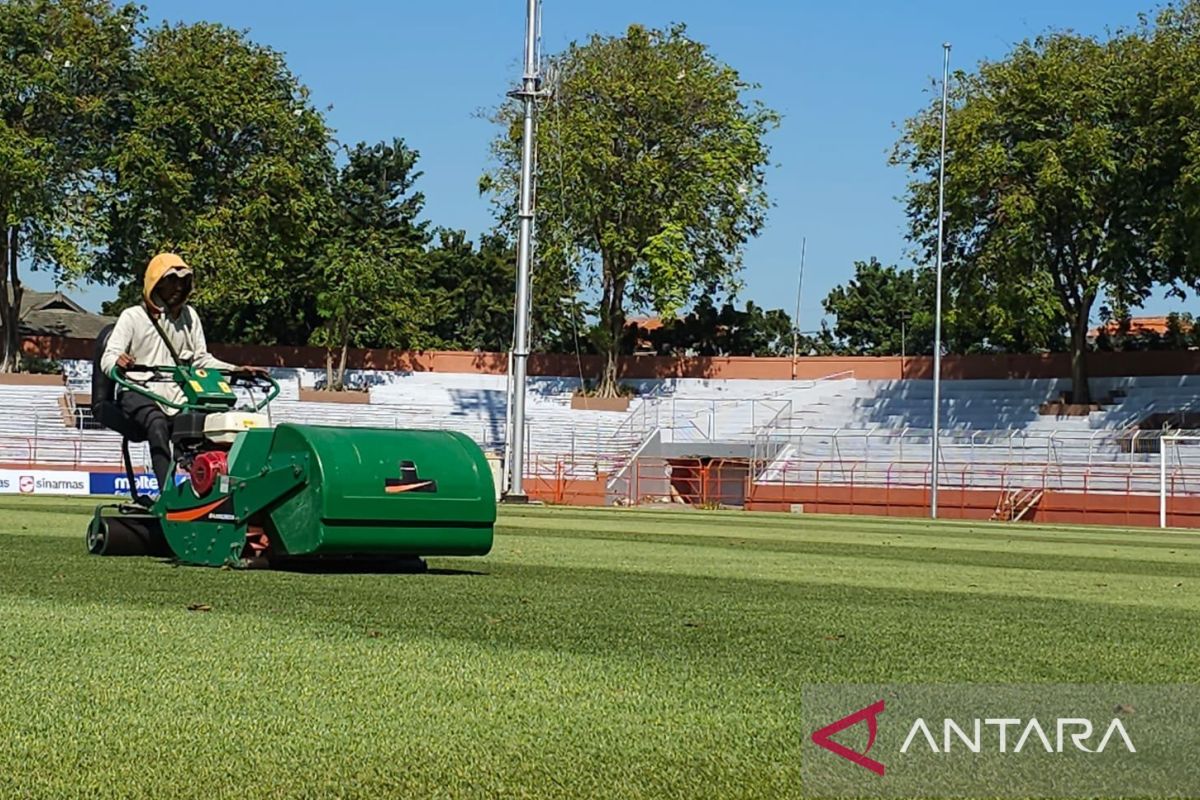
366	300
726	331
477	291
652	164
1049	190
883	310
63	66
1179	331
476	286
375	194
1117	333
225	161
1169	92
375	273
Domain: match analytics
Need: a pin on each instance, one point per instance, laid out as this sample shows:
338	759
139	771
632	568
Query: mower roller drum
320	492
126	531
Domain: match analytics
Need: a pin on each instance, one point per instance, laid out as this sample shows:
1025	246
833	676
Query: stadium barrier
1086	476
1100	495
728	483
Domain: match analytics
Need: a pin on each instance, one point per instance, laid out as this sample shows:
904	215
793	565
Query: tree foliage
726	331
1051	190
373	266
652	164
1073	187
365	299
63	67
1169	108
225	160
1119	333
885	310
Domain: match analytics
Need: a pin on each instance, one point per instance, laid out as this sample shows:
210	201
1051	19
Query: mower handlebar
163	374
157	375
251	379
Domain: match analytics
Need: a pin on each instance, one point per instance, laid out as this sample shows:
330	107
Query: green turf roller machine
244	493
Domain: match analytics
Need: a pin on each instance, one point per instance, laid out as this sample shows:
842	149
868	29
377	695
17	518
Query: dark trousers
146	413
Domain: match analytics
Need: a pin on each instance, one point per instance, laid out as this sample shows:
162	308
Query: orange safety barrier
1104	495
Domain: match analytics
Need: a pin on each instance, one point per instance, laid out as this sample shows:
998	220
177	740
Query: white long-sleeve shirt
134	334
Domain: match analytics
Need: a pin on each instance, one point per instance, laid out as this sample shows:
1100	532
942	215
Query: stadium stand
1009	435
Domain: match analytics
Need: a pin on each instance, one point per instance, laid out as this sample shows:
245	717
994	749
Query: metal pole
796	319
506	473
937	319
528	95
1162	481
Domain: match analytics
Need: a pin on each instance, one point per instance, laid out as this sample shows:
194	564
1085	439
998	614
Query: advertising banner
43	482
116	483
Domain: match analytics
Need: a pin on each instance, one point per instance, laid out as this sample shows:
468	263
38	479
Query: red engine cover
206	468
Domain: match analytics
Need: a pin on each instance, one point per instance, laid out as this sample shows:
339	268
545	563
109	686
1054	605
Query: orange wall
568	492
25	379
979	504
1055	365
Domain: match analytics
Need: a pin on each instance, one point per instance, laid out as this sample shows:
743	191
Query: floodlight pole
527	94
796	319
937	317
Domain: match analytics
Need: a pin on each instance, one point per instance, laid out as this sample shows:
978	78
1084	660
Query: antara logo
1032	733
870	715
408	481
1000	732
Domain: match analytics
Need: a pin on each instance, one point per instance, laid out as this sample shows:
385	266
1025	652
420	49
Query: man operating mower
163	331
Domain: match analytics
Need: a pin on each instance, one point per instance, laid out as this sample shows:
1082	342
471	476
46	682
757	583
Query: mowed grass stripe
643	565
991	551
758	525
574	661
694	619
682	518
279	713
1113	579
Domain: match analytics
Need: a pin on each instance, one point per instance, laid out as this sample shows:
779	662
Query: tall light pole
796	319
937	314
527	94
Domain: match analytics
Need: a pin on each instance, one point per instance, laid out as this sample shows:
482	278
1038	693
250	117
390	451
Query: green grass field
592	654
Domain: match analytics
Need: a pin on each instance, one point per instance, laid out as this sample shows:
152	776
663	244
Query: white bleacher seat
870	430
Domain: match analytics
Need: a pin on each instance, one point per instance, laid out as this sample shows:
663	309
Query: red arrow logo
871	715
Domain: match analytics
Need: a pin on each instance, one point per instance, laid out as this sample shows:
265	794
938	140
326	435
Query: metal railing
671	412
1057	459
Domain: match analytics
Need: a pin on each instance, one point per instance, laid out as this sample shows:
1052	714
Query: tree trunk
341	373
1080	391
10	301
612	323
608	377
329	368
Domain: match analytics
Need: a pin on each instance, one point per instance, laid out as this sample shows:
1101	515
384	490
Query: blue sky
842	74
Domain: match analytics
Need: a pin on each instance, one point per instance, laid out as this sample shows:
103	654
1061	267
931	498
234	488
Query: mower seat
105	409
